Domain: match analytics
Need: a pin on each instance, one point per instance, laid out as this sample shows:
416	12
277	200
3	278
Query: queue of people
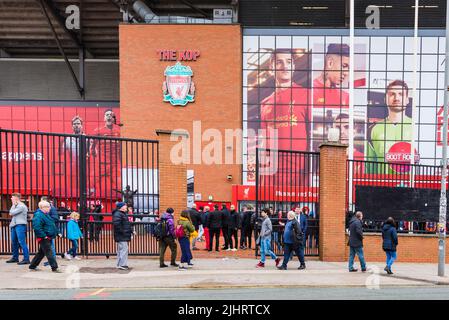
188	231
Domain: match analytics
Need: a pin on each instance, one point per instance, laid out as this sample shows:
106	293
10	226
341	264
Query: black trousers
226	237
245	239
44	251
216	233
233	233
163	244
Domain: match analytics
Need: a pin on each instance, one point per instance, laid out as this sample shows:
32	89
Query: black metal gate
285	180
87	174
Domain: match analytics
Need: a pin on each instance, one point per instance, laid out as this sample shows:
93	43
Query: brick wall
412	248
217	75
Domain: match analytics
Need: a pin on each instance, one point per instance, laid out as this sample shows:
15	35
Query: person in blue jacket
74	234
389	243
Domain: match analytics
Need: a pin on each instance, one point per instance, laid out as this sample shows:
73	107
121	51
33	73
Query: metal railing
98	237
368	179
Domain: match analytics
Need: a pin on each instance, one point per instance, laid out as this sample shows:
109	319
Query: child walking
74	234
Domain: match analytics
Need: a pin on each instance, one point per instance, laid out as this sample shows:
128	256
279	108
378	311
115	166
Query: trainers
389	271
302	267
181	268
23	262
34	269
163	266
174	264
353	270
364	270
282	268
277	261
77	258
260	265
68	256
234	249
12	261
122	268
228	249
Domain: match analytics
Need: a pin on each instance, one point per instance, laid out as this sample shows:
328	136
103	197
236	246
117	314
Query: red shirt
108	146
287	110
329	97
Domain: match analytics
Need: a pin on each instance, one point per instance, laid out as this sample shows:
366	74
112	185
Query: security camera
229	177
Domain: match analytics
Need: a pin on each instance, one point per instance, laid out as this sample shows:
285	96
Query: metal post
351	97
415	94
443	200
82	177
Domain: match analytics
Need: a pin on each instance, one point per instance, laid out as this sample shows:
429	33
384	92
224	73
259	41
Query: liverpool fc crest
178	87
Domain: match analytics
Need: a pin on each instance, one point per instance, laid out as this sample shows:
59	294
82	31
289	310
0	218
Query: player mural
299	85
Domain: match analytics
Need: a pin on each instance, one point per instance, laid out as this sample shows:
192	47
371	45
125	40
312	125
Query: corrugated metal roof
24	31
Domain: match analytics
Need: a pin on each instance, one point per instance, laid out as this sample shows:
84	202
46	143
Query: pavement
100	273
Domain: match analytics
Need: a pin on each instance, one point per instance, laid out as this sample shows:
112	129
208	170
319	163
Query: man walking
168	238
45	231
265	239
18	226
356	241
293	241
122	234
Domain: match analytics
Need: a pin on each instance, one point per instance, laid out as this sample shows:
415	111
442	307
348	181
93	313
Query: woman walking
185	231
389	243
74	234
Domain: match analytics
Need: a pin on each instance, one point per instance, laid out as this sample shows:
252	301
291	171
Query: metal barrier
392	176
287	179
311	240
79	170
98	237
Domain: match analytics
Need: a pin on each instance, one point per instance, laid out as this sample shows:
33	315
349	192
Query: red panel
18	112
44	113
31	125
31	113
57	114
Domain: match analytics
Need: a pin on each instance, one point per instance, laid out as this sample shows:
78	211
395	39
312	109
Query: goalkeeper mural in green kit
389	140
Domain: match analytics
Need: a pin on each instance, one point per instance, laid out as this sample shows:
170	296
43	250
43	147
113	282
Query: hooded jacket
122	226
355	233
389	237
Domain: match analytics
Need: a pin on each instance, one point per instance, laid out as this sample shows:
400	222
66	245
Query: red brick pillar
332	201
172	177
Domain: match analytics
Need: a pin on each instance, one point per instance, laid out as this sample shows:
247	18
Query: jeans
18	239
276	240
44	251
186	254
289	249
352	252
122	254
265	247
391	257
200	231
74	248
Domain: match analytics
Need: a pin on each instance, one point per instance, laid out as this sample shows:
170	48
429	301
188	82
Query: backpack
298	235
161	230
179	232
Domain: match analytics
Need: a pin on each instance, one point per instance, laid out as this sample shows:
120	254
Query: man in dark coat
122	234
215	223
195	216
245	237
356	241
45	231
234	222
226	215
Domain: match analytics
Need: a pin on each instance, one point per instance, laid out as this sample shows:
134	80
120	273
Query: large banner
44	164
298	86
